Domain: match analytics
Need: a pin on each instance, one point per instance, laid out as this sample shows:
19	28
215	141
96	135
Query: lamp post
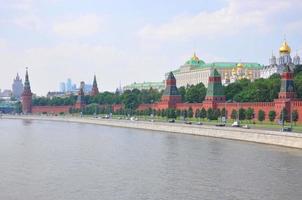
291	115
152	113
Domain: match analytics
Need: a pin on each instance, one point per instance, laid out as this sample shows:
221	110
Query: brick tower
95	89
287	91
26	96
80	103
215	91
171	95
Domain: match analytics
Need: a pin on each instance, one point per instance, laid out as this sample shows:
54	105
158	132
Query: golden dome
284	48
240	65
234	72
195	58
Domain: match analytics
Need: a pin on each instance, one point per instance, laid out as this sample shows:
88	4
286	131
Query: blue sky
128	41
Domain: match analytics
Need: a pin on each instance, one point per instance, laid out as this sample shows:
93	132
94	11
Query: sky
139	40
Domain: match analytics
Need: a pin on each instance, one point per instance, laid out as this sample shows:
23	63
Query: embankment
286	139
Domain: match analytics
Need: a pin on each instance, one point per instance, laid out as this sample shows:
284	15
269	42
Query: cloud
85	25
3	44
237	17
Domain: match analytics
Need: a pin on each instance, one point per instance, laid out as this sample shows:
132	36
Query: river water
44	160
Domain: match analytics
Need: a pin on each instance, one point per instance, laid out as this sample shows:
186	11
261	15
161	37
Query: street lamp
152	112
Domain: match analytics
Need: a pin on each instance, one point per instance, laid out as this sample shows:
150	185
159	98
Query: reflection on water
26	122
54	160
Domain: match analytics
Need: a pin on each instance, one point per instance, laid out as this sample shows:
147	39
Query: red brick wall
51	109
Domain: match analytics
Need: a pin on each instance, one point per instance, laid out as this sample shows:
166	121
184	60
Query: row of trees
214	114
130	98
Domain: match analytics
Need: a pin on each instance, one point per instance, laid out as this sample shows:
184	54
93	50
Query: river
58	160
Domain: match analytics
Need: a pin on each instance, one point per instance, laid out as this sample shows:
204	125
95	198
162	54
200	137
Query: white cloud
3	44
237	17
85	25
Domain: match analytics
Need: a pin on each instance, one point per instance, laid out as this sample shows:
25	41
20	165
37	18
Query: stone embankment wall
286	139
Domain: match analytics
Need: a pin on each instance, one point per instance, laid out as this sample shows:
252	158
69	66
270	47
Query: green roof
219	65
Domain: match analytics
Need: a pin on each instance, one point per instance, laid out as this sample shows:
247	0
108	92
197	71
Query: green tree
182	92
249	113
203	113
283	115
242	114
295	116
216	114
234	114
223	112
197	113
261	115
190	112
195	93
272	115
171	113
210	114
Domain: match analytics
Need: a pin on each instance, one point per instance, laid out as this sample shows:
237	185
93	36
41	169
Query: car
246	126
286	129
236	124
220	125
171	120
188	122
199	123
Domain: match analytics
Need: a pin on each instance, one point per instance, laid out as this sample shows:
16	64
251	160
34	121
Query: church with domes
284	59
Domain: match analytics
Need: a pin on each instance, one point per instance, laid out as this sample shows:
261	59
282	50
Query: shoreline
286	139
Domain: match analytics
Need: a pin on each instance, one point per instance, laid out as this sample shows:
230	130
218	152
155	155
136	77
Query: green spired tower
215	91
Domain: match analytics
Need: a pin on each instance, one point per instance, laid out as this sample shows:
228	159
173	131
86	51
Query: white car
236	124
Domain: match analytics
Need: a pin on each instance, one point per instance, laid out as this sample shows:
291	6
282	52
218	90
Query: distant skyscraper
62	87
17	87
68	85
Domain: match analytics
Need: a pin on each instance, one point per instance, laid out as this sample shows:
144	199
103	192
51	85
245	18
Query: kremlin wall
171	98
215	97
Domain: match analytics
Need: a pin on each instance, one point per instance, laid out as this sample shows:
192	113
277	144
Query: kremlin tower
80	103
171	95
95	89
215	91
26	96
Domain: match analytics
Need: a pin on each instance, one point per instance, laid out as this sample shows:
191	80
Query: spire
95	90
27	89
26	95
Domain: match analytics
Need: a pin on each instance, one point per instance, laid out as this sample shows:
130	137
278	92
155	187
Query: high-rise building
17	87
62	87
68	85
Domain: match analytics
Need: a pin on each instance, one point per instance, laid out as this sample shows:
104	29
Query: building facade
196	71
17	87
145	86
276	66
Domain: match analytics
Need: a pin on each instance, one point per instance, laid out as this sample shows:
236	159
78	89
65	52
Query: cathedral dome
195	58
240	65
284	48
234	72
